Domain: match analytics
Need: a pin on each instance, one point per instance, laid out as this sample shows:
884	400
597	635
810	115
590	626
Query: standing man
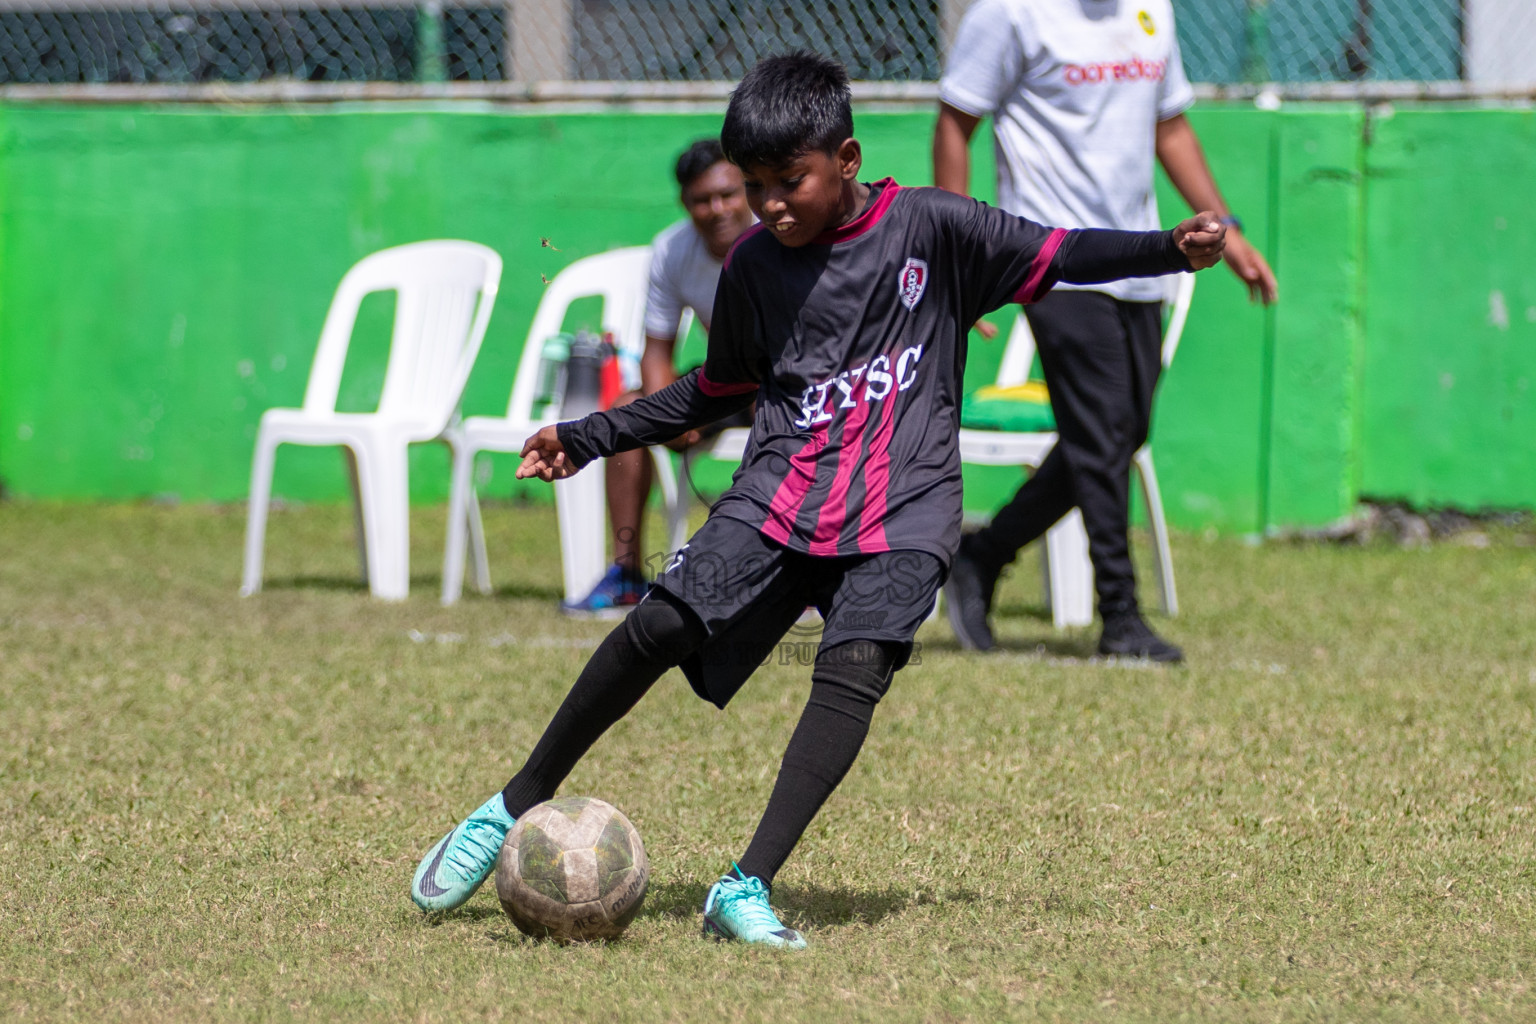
1082	95
685	266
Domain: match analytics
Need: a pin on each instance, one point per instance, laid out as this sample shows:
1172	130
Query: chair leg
1164	562
1046	585
256	514
460	494
359	527
477	550
582	511
673	496
385	491
1071	572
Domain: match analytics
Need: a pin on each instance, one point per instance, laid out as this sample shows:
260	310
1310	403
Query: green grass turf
210	807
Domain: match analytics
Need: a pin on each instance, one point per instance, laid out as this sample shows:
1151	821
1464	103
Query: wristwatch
1231	222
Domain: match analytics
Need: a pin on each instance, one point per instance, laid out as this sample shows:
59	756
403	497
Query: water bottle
551	376
583	376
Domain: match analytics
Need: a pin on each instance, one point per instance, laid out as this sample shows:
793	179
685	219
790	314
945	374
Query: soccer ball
572	869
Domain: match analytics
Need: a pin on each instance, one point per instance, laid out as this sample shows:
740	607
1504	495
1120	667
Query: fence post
1256	42
540	38
431	61
950	13
1498	44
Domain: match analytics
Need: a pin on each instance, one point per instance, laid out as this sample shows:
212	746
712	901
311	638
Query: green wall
1448	413
164	272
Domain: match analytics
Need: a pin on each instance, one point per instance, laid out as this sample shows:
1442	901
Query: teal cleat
737	908
449	875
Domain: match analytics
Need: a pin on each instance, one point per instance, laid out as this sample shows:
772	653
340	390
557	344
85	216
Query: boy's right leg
847	682
656	636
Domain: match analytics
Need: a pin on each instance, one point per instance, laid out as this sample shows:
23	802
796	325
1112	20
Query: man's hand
1248	264
1201	239
544	457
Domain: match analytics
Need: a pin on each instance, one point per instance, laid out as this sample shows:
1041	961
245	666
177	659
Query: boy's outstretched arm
1095	255
558	451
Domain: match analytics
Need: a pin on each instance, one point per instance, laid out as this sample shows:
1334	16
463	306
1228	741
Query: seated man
685	267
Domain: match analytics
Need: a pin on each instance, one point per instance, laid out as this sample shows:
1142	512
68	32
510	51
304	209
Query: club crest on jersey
912	281
1147	24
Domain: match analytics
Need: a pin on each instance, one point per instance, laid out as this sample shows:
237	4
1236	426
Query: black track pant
1101	358
846	684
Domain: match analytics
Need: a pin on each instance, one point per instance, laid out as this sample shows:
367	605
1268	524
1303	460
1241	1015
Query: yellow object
1029	391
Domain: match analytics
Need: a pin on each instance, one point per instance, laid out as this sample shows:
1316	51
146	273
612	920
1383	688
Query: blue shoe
449	875
616	593
737	908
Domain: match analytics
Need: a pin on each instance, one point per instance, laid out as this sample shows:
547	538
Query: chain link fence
1225	42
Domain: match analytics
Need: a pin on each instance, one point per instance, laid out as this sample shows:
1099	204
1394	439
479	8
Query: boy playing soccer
844	314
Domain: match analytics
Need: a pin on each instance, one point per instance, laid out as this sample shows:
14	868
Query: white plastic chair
618	278
1068	571
444	294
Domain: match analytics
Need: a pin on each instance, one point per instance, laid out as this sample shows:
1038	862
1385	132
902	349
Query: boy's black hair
697	159
788	104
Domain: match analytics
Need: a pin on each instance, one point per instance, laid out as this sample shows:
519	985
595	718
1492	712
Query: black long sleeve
1094	256
654	419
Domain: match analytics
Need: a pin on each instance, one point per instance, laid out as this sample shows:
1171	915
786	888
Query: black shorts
750	591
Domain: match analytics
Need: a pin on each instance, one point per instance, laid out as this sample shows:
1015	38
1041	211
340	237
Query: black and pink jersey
854	348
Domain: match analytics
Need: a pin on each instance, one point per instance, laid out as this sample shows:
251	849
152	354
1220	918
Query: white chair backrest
619	278
1019	353
444	293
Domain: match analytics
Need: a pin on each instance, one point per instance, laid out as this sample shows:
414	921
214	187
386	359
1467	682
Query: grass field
212	806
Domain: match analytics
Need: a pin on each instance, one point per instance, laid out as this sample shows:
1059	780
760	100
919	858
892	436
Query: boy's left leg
846	684
872	615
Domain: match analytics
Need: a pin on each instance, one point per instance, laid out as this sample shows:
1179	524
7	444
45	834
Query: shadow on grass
1055	648
427	583
337	583
1037	611
804	906
674	899
499	928
525	592
472	913
1073	648
812	906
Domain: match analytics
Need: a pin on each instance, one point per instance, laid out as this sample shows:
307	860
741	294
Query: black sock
846	684
656	636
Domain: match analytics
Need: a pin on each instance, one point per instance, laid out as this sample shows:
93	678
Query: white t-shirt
683	275
1075	89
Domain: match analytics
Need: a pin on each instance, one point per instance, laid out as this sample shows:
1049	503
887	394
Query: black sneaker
968	600
1127	635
